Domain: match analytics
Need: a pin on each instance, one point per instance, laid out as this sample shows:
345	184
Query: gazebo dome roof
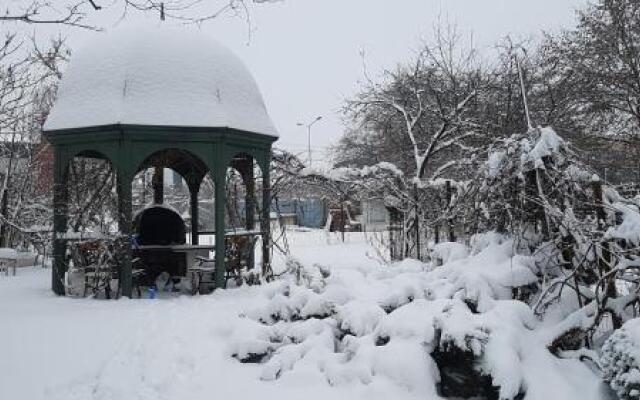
161	77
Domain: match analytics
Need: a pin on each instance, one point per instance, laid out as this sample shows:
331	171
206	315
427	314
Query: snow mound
450	251
629	229
490	274
415	327
620	360
158	76
359	317
547	144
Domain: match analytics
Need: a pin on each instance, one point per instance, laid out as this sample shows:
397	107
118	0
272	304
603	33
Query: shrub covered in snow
453	330
575	235
620	360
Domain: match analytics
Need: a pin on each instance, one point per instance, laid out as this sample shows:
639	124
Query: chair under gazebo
161	98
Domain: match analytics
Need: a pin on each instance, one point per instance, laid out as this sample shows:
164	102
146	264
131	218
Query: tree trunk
4	205
416	226
604	262
4	211
342	218
450	224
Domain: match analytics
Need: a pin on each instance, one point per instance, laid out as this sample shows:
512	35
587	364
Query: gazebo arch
189	166
150	136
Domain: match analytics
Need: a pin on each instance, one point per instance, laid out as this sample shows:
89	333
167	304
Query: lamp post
309	125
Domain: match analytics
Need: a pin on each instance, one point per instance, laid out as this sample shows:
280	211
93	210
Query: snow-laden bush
576	235
495	273
620	360
449	251
453	330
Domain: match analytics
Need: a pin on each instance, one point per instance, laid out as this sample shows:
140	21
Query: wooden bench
99	262
9	259
238	256
7	264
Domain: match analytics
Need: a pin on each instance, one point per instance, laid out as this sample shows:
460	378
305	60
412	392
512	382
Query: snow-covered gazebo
159	98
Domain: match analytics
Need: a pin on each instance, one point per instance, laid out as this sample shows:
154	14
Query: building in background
375	216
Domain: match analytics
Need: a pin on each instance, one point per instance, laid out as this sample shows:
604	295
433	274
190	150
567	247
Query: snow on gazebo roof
160	76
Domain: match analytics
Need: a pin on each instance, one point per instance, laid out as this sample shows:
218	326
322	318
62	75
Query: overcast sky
305	54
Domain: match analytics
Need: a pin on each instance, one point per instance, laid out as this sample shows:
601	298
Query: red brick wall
44	167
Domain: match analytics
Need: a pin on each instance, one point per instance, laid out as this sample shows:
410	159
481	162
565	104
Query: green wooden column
265	220
124	224
123	164
249	202
60	216
220	203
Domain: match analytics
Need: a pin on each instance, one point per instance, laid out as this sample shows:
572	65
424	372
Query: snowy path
64	348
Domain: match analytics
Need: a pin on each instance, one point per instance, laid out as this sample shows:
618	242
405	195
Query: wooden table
191	251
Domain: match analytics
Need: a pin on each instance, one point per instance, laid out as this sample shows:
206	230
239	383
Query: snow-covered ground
182	347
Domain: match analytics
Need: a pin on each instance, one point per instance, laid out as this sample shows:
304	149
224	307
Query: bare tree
422	117
26	89
600	59
76	13
429	101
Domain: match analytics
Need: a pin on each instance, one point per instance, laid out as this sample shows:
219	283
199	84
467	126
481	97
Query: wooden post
265	220
220	205
249	203
124	223
60	216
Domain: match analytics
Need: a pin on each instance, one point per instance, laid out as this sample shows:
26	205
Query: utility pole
309	125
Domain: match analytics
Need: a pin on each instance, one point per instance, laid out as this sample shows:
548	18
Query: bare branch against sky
75	13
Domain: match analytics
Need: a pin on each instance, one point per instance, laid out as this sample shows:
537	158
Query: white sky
305	54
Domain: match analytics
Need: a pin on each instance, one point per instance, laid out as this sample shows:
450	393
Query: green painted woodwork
195	151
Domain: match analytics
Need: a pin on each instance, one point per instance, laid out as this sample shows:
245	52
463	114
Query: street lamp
309	125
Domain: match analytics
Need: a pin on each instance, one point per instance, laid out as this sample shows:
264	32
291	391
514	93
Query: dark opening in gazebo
162	98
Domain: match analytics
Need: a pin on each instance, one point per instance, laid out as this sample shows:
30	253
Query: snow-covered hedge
620	360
